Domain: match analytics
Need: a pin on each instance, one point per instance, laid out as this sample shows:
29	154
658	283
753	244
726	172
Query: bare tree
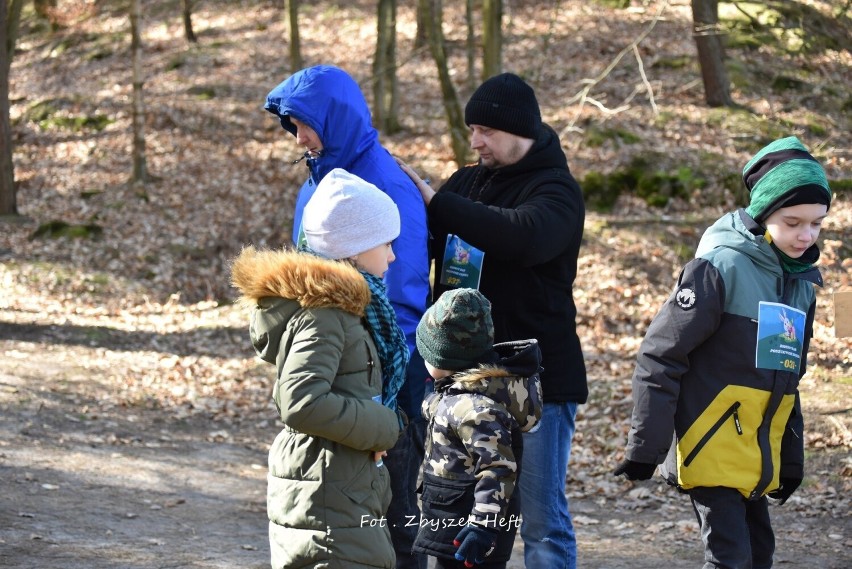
422	16
385	86
43	7
711	53
470	45
492	38
187	21
452	107
10	17
295	41
140	164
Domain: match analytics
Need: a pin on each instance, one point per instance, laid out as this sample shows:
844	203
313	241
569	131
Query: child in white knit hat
321	316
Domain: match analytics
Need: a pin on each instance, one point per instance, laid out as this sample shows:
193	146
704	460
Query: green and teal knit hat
457	332
783	174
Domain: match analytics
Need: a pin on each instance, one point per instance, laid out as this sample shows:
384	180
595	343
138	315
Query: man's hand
788	486
635	470
426	191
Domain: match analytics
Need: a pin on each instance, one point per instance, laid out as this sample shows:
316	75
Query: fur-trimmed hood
512	381
311	281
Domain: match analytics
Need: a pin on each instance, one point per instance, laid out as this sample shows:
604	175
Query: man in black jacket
514	223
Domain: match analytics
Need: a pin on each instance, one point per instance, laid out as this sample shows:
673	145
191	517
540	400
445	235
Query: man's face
498	148
307	137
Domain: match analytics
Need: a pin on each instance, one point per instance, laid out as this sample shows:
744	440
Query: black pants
403	462
736	532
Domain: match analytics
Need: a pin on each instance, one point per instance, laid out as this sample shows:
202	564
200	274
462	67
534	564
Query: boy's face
794	229
436	373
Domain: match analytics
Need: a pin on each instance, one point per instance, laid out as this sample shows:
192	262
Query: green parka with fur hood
326	496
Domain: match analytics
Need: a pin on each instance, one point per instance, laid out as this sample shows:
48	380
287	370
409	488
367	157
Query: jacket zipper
731	412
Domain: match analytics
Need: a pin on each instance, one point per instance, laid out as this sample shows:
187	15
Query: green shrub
57	229
595	136
656	187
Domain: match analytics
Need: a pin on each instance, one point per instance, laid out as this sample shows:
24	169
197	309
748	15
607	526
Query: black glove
788	486
474	543
635	470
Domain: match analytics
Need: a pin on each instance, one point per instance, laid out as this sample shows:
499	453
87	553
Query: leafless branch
583	94
645	79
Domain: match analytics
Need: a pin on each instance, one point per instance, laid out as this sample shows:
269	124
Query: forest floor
92	481
134	419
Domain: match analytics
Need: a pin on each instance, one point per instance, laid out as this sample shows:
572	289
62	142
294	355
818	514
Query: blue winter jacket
329	101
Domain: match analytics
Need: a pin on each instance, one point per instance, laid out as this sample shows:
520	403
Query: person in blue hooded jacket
323	107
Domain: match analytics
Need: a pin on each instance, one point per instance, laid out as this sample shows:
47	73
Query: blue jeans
546	529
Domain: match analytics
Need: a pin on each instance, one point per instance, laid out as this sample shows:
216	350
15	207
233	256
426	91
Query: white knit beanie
347	216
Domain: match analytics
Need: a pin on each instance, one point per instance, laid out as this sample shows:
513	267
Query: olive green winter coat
326	496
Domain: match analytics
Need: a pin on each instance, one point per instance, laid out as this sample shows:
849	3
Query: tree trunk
455	118
492	38
421	35
140	167
384	69
10	17
295	41
187	22
470	46
711	53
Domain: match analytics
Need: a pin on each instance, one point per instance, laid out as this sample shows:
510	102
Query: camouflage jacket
475	419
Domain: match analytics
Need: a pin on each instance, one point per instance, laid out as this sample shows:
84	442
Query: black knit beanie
456	332
783	174
507	103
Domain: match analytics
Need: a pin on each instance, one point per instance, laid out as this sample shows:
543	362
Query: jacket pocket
383	487
369	488
446	507
732	411
447	498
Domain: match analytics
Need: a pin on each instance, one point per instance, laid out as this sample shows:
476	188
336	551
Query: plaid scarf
386	334
389	339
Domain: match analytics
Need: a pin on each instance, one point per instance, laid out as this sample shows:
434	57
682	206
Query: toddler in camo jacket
485	396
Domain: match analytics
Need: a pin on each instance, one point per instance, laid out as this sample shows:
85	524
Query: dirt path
121	490
88	485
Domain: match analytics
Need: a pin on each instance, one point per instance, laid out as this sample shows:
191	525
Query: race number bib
780	337
462	266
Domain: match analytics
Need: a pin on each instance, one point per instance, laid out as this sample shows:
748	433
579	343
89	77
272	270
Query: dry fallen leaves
143	310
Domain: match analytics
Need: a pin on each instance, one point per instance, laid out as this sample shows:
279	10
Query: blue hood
328	100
